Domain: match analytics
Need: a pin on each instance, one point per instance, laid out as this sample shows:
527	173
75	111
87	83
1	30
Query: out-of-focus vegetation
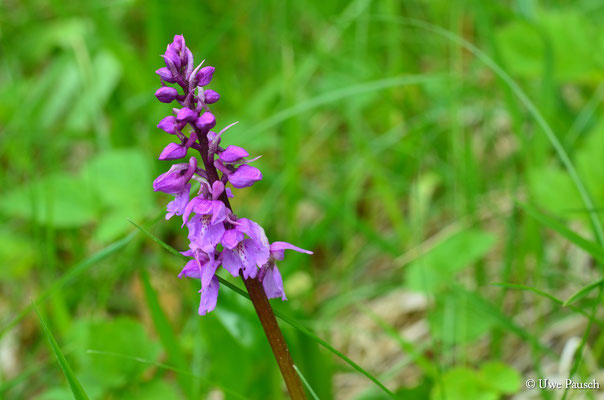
424	150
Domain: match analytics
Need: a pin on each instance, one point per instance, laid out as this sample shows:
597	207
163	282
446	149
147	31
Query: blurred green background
391	147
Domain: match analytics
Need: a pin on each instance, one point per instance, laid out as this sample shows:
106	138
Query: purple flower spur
218	237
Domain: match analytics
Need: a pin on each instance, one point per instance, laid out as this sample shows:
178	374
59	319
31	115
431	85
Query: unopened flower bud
165	74
205	122
211	96
204	76
166	94
173	151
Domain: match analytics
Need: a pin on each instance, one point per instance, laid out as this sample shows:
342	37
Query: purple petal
173	151
166	94
273	283
168	124
245	176
277	249
217	189
190	270
171	182
209	297
186	114
177	206
204	76
229	193
233	153
231	238
231	262
211	96
171	56
248	253
208	272
254	231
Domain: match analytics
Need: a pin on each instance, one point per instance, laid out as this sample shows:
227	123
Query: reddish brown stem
260	301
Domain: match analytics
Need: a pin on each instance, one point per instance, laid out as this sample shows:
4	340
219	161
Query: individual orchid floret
205	122
166	94
233	154
181	199
203	267
245	255
269	273
241	177
186	114
175	180
165	74
210	96
204	76
173	151
169	125
207	226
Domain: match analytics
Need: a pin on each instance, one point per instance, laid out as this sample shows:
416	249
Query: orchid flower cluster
217	236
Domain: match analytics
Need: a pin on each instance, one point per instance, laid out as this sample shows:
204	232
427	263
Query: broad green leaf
462	383
500	377
456	318
121	335
122	180
62	200
76	388
435	269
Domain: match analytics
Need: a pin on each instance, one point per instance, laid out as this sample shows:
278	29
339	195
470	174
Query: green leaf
76	388
462	384
582	292
122	180
435	270
61	200
457	319
121	335
500	377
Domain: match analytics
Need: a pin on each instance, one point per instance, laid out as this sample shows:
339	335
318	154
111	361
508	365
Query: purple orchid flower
269	273
217	237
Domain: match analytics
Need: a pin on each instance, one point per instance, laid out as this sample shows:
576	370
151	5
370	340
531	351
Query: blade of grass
281	316
595	250
550	297
74	384
305	382
72	274
164	330
180	371
339	94
582	292
524	99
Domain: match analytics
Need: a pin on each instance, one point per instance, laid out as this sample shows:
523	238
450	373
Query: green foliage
492	381
438	268
422	150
